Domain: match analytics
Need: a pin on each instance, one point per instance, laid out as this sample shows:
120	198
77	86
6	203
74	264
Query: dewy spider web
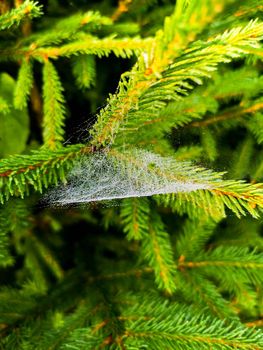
111	175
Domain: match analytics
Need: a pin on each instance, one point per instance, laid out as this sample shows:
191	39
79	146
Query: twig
232	114
123	6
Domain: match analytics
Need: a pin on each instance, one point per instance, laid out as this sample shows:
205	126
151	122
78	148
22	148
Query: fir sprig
28	9
23	85
54	109
38	170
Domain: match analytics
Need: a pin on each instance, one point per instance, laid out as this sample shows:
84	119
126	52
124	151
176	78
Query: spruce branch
146	95
84	70
59	336
167	46
196	231
206	101
29	9
236	112
84	44
251	7
54	109
157	251
196	288
67	29
247	265
23	85
135	217
44	254
237	196
123	6
242	267
124	48
174	329
257	323
203	60
38	170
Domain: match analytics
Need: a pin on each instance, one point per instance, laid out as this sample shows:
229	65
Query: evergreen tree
173	258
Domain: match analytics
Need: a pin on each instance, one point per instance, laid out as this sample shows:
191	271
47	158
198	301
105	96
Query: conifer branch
245	265
229	114
123	6
54	110
156	338
197	231
252	7
135	217
257	323
232	260
29	9
84	70
46	255
235	195
149	69
179	331
196	288
156	249
23	85
146	94
206	101
85	44
124	48
239	197
67	29
38	170
125	274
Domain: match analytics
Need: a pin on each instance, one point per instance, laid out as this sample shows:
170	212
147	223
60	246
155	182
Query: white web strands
109	176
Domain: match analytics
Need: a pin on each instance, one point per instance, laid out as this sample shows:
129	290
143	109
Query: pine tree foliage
54	110
135	217
23	85
156	249
64	29
28	9
84	70
20	173
170	270
216	263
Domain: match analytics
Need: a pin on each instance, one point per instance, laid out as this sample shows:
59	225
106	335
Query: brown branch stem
230	114
123	6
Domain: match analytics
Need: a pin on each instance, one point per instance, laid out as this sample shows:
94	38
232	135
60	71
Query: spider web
104	176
